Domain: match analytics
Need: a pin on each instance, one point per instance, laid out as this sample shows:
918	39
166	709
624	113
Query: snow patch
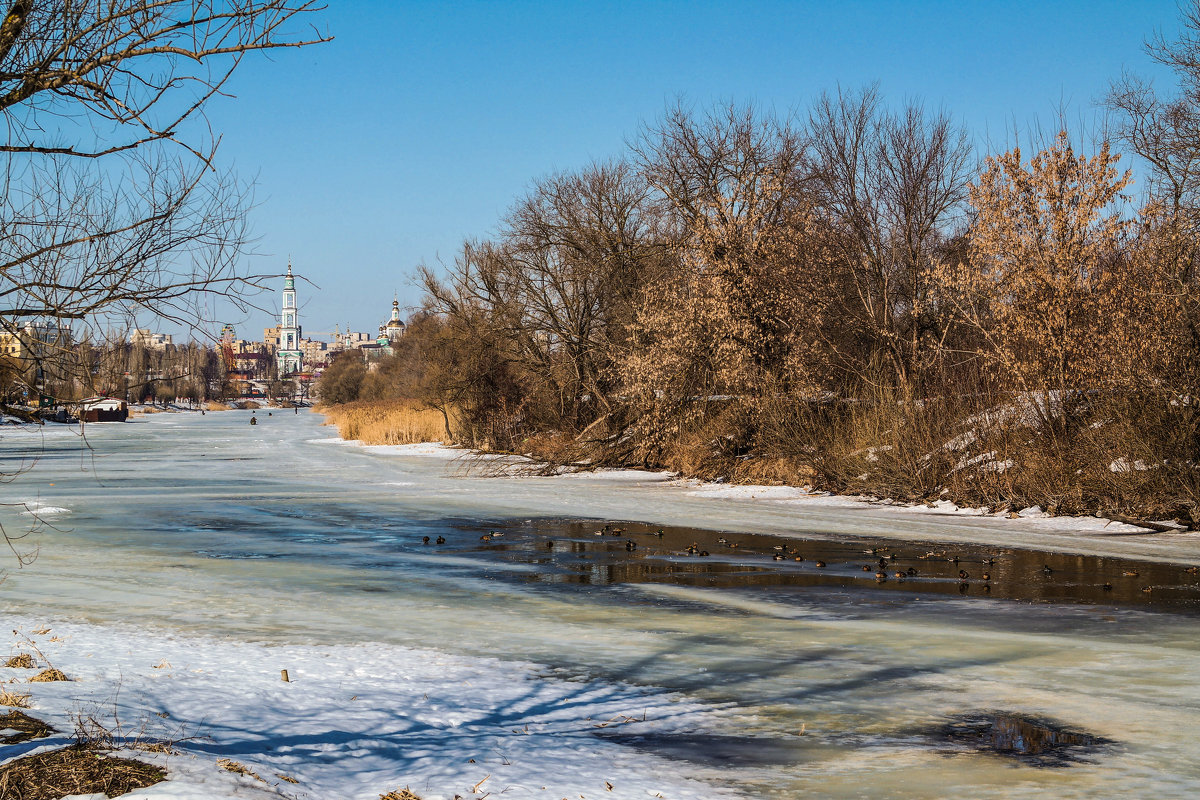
358	721
34	508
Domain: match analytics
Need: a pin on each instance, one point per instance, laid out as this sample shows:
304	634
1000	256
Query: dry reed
387	422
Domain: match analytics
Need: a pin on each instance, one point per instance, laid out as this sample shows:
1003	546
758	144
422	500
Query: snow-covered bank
353	722
662	498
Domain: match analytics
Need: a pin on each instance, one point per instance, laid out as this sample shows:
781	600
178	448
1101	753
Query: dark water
600	552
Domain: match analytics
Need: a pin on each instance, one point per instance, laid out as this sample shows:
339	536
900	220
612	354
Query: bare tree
891	184
1163	131
144	67
556	290
1047	278
112	202
77	242
730	181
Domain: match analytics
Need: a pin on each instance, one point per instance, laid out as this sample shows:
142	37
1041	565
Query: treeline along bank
849	296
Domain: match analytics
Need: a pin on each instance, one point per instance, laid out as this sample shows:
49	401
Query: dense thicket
851	298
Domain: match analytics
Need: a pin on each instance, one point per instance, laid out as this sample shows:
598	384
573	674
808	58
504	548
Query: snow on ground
373	713
353	722
431	449
1033	514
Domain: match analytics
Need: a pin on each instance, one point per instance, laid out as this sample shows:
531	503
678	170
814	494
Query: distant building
12	345
36	340
389	332
315	352
290	358
152	341
252	358
393	329
354	340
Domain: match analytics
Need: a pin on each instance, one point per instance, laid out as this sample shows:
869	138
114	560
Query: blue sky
422	122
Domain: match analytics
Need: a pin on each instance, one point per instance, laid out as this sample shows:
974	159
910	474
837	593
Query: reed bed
387	422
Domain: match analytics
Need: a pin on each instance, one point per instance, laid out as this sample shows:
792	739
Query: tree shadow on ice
545	714
669	720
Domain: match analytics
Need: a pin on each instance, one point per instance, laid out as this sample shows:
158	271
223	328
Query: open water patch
1030	740
607	552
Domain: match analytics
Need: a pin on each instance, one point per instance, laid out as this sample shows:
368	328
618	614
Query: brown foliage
533	320
400	794
23	727
1045	279
778	303
343	378
725	323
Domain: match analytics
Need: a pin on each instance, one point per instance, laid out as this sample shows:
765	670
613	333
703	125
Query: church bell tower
289	356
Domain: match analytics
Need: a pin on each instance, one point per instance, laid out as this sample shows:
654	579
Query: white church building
289	357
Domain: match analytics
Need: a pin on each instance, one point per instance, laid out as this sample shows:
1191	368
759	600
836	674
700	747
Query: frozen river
187	559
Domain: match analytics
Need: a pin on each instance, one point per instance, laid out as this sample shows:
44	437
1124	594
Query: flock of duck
785	553
883	565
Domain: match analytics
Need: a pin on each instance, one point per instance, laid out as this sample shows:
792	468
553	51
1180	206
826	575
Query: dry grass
74	770
399	794
21	661
1095	453
14	699
215	405
229	765
24	728
387	422
49	676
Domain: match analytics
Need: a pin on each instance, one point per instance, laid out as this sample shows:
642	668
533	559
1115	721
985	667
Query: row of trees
850	297
193	372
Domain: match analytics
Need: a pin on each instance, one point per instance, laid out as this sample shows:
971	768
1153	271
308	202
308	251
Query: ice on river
200	556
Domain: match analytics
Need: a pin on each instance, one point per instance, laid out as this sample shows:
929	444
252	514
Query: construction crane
335	333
